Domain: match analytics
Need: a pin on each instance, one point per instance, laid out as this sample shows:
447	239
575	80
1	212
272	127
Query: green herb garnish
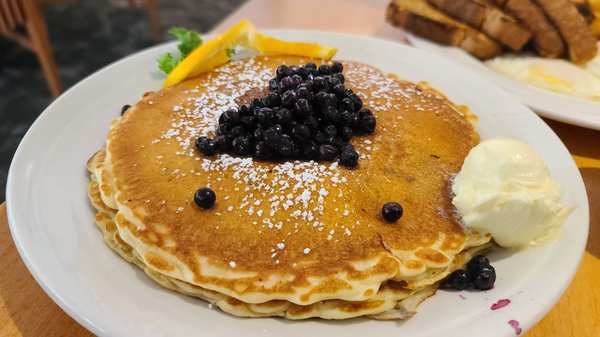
188	41
230	52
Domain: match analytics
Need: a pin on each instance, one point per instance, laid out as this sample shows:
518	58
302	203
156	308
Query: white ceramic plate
52	222
547	103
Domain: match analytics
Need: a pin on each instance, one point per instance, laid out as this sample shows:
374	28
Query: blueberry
484	277
311	150
312	123
346	104
336	141
277	128
324	69
320	98
345	118
308	84
365	112
331	115
327	152
337	67
310	66
245	111
265	116
241	145
355	121
329	100
287	83
477	262
222	143
207	146
283	71
319	137
356	101
296	80
346	133
301	133
319	84
271	100
303	92
289	98
338	90
367	124
272	138
333	81
256	103
273	84
205	197
284	117
302	72
458	279
238	131
297	153
302	108
248	122
340	77
348	147
125	108
349	158
286	146
262	151
259	133
290	126
330	130
224	129
391	211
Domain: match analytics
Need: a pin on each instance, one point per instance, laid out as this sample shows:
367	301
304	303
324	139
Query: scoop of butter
504	188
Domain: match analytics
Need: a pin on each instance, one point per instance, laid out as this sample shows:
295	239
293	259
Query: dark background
85	35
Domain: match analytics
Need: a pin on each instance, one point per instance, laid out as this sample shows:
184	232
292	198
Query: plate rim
12	212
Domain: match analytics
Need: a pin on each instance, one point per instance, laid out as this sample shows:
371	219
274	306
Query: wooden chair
152	15
27	14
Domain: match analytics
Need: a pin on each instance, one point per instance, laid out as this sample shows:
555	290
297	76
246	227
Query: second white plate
550	104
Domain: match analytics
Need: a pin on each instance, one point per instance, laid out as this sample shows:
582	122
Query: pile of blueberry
479	273
307	114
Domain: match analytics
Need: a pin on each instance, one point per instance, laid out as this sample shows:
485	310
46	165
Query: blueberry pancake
287	237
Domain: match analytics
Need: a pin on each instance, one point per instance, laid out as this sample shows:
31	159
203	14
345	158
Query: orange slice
273	47
213	53
213	50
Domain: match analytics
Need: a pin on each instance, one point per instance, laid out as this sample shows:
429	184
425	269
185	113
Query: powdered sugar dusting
199	113
280	198
300	188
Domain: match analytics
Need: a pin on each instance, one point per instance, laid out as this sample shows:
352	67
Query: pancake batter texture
295	239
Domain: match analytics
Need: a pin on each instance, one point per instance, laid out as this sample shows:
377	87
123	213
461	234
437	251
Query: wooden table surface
25	310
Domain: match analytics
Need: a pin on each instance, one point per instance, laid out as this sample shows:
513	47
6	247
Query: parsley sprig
188	41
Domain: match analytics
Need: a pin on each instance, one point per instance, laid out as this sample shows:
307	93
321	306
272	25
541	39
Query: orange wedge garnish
213	53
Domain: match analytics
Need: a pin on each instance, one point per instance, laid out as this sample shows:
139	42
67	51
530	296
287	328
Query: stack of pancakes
296	239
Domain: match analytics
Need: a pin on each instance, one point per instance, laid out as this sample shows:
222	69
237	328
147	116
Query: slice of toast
578	36
487	18
420	18
546	38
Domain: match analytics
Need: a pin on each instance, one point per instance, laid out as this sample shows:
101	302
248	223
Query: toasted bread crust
484	16
546	38
418	17
436	31
576	33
